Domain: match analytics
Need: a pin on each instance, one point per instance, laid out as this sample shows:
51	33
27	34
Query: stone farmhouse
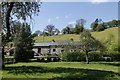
52	49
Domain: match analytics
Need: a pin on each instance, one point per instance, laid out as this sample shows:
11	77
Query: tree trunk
8	18
3	65
87	60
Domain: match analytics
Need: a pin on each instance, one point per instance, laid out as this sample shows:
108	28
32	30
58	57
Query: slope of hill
107	36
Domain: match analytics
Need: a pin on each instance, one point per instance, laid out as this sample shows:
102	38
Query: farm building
48	48
53	49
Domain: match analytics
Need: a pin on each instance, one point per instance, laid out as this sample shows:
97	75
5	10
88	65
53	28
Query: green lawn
63	70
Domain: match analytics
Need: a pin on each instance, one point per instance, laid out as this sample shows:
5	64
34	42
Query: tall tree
79	27
68	29
80	22
20	10
94	24
100	27
89	43
23	43
51	30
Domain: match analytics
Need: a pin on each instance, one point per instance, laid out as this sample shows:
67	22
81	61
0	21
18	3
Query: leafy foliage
80	22
24	43
100	27
89	43
73	56
20	10
78	29
68	30
94	25
51	30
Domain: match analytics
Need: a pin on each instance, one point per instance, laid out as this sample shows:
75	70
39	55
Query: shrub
73	56
95	56
56	59
48	59
115	55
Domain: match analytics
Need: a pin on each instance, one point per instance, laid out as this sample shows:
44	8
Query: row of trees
97	25
50	29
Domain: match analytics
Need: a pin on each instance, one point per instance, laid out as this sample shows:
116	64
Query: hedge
73	56
93	56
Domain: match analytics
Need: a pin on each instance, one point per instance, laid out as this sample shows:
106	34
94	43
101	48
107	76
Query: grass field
63	70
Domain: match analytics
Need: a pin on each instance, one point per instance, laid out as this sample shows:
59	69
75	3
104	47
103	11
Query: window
62	50
54	50
71	50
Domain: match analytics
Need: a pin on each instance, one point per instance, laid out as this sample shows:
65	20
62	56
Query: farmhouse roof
55	43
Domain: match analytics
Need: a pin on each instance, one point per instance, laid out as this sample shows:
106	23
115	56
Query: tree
114	23
118	23
20	10
80	22
38	32
64	31
78	29
100	27
51	30
94	24
89	43
57	31
23	43
45	33
68	30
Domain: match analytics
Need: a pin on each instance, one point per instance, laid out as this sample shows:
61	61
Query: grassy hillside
106	36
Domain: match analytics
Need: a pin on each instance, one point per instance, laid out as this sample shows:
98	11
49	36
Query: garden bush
93	56
115	55
73	56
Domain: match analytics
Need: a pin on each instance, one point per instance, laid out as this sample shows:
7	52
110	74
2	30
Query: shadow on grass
117	64
65	73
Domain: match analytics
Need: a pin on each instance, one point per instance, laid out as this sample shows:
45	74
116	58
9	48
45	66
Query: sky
60	14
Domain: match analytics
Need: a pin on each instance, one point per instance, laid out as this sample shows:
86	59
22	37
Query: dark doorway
39	50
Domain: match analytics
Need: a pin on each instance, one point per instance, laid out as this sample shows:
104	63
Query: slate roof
47	44
54	43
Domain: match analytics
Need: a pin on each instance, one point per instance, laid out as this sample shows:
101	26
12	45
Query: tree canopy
15	10
20	10
51	30
89	43
23	41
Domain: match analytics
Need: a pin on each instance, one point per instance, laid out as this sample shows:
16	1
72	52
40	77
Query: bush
56	59
93	56
73	56
115	55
